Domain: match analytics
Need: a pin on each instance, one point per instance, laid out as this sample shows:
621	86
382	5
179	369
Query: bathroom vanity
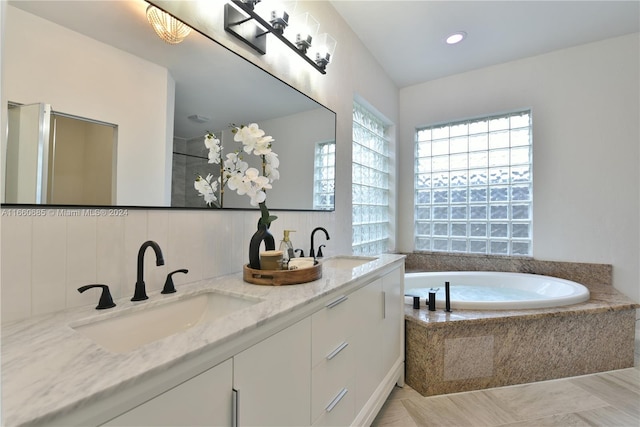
326	352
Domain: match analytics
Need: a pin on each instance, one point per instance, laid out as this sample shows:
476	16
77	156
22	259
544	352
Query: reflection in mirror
103	61
53	158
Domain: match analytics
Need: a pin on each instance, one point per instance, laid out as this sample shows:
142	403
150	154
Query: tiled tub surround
51	371
475	349
584	273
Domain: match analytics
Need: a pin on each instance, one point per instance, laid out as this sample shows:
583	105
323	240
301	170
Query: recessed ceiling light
456	37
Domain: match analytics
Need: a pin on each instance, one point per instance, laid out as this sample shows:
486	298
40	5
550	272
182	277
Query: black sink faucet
312	253
140	293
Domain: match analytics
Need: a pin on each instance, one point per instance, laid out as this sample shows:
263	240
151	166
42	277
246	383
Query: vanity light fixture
304	28
456	37
277	12
279	20
250	4
244	23
166	26
324	50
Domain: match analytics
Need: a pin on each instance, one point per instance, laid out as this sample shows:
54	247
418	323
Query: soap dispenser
286	247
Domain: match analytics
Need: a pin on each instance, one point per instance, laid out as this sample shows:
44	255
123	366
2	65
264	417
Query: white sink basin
347	262
138	326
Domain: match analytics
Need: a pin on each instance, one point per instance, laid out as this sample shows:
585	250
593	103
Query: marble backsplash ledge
584	273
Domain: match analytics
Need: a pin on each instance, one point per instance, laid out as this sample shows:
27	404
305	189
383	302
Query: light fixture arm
237	22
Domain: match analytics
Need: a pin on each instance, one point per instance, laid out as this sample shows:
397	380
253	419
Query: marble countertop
49	369
602	298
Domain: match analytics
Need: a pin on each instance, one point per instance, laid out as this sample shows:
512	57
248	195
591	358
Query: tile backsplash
46	257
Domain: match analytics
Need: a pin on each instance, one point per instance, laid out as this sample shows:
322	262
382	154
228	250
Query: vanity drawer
332	386
342	413
330	327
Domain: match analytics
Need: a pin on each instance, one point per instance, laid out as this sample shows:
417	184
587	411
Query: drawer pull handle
337	399
235	399
341	299
335	352
384	305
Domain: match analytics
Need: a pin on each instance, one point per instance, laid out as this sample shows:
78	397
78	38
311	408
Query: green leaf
265	218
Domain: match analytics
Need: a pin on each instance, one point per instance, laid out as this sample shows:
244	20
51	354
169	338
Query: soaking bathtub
483	290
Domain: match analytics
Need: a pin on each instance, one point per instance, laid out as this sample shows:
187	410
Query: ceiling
407	37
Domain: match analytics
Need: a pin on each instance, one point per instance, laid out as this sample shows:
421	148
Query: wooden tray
281	277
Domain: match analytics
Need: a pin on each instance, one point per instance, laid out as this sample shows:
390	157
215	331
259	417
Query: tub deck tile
521	346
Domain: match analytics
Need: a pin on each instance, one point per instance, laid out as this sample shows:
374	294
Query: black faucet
140	293
106	301
312	252
169	287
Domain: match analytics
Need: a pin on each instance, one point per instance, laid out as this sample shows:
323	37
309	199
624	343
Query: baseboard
370	410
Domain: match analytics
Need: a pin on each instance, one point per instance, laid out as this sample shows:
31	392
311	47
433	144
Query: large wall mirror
99	62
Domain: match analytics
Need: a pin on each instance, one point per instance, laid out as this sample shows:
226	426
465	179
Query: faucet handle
300	252
105	298
169	288
320	255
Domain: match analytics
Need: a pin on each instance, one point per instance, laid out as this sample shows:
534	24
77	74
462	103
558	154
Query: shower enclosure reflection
53	158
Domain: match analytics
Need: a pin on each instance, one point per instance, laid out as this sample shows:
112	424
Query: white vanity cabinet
356	346
205	400
392	335
272	379
267	384
333	362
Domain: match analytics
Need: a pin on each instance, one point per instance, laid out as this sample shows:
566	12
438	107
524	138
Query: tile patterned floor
603	399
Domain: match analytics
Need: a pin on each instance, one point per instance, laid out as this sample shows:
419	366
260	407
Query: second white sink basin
135	327
347	262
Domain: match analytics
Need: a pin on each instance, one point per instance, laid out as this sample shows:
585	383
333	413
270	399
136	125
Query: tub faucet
312	252
140	293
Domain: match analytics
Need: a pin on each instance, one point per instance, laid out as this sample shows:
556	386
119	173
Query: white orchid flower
235	172
234	169
248	133
214	146
262	146
272	159
207	188
236	182
258	197
271	167
253	139
252	174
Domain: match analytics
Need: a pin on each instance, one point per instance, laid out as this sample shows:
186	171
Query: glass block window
324	176
473	186
370	184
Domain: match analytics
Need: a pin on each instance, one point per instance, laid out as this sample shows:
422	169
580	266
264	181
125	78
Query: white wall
296	161
353	72
45	259
45	62
585	106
